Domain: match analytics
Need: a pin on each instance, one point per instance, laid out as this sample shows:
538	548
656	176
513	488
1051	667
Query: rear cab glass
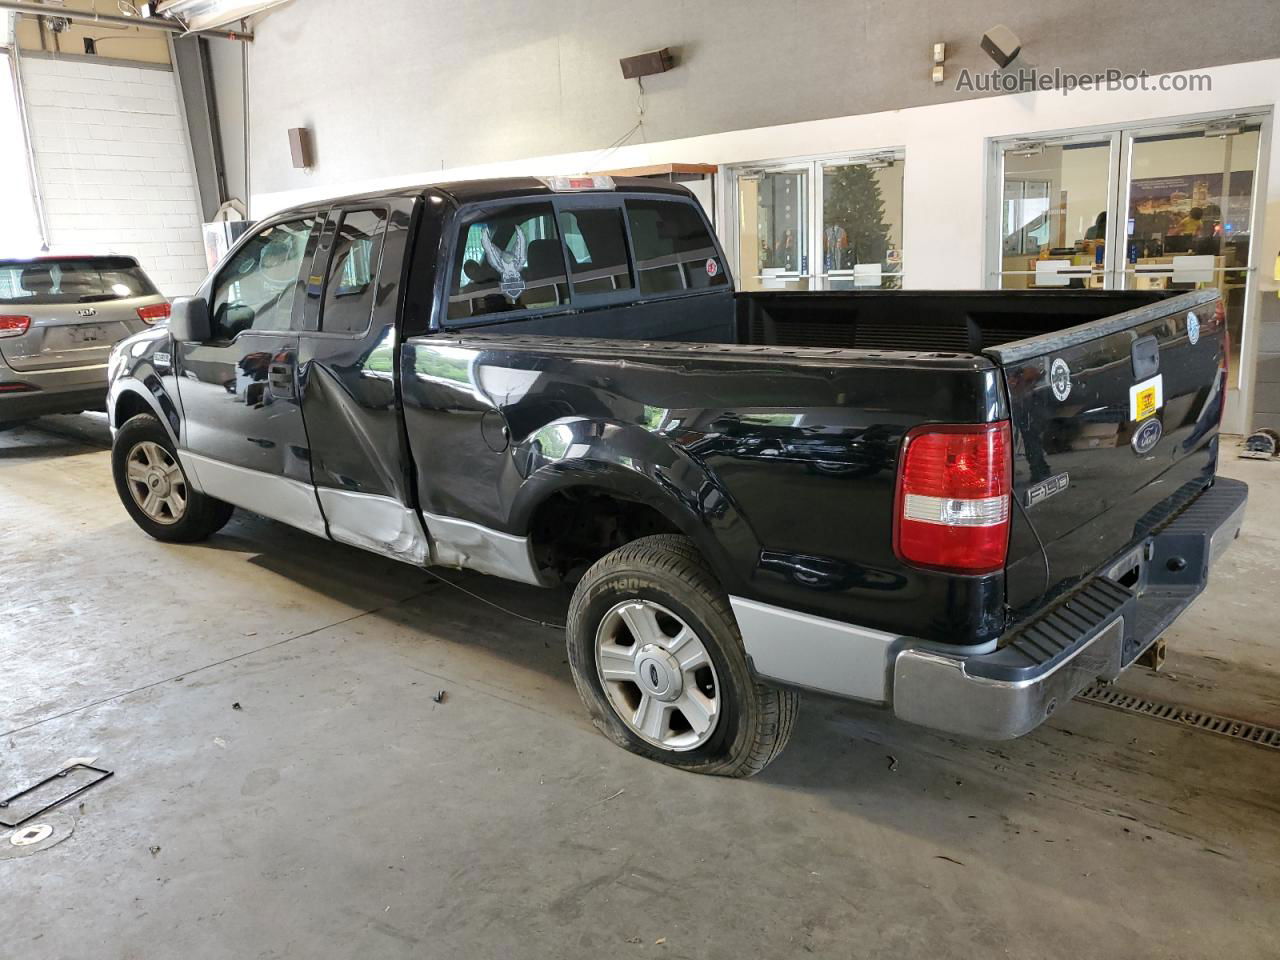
674	251
526	257
511	259
596	241
73	280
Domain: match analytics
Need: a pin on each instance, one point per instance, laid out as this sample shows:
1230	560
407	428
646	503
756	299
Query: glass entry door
1055	203
773	229
821	224
1190	207
1168	207
861	224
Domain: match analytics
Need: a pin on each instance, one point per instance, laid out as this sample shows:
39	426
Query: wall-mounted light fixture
300	147
647	64
939	58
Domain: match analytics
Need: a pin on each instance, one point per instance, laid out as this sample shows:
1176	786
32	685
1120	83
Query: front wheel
658	660
154	489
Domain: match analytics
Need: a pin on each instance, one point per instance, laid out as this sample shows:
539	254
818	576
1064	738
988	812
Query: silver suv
59	319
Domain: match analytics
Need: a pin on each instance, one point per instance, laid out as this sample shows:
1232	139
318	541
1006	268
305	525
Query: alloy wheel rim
156	482
657	675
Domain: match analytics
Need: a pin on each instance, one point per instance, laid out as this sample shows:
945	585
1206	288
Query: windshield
72	280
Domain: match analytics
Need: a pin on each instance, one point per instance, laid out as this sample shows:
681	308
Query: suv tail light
952	509
154	314
14	326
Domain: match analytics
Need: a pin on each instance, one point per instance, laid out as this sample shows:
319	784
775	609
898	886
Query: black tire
755	719
203	517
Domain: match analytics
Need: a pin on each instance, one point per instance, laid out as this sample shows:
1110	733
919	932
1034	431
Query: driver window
255	290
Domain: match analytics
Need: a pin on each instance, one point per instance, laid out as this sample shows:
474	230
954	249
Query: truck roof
503	188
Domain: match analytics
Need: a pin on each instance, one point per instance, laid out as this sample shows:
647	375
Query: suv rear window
74	280
674	251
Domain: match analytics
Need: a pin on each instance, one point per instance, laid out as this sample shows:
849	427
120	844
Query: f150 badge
1047	488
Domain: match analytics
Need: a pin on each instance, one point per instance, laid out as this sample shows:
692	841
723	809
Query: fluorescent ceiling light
208	14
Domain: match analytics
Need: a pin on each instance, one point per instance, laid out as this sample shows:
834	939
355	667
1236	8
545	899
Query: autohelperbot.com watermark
1035	80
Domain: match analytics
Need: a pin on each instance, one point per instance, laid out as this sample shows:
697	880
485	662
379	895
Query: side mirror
189	320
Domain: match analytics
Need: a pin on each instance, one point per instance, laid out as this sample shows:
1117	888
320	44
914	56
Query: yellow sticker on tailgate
1146	398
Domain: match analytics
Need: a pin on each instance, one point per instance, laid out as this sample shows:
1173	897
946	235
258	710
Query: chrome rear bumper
1091	634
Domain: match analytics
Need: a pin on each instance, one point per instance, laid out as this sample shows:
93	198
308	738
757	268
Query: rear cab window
533	257
73	280
511	259
674	250
596	241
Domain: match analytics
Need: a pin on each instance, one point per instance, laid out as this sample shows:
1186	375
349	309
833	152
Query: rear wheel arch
571	525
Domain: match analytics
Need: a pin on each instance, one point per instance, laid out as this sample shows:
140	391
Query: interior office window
353	272
674	251
511	260
255	289
597	246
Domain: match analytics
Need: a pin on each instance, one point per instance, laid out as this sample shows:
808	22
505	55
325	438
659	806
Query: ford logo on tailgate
1146	437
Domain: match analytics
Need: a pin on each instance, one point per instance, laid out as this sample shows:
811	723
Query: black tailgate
1115	423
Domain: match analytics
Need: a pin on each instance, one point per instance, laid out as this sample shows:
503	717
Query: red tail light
154	313
952	508
14	326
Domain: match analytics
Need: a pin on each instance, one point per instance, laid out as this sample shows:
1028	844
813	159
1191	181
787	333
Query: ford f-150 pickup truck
964	506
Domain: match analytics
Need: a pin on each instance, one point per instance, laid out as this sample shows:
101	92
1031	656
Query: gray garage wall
415	85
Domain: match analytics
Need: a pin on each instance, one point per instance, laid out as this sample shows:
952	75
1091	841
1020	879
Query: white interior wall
114	165
947	185
944	204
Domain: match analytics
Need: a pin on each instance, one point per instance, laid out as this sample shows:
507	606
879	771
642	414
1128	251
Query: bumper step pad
1050	638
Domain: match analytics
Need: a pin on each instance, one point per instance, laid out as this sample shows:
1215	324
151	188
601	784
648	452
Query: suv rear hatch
1115	427
75	310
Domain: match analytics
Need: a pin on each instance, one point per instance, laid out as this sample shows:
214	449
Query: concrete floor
340	812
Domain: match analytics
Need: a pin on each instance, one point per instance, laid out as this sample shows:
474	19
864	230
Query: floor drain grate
1254	733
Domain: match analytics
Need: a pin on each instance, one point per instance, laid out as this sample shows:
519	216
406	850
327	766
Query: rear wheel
659	662
154	489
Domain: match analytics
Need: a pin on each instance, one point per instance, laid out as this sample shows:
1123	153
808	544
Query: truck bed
960	321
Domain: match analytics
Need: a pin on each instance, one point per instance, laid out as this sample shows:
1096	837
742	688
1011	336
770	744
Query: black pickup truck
964	506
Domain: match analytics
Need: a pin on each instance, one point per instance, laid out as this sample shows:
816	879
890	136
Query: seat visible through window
511	260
